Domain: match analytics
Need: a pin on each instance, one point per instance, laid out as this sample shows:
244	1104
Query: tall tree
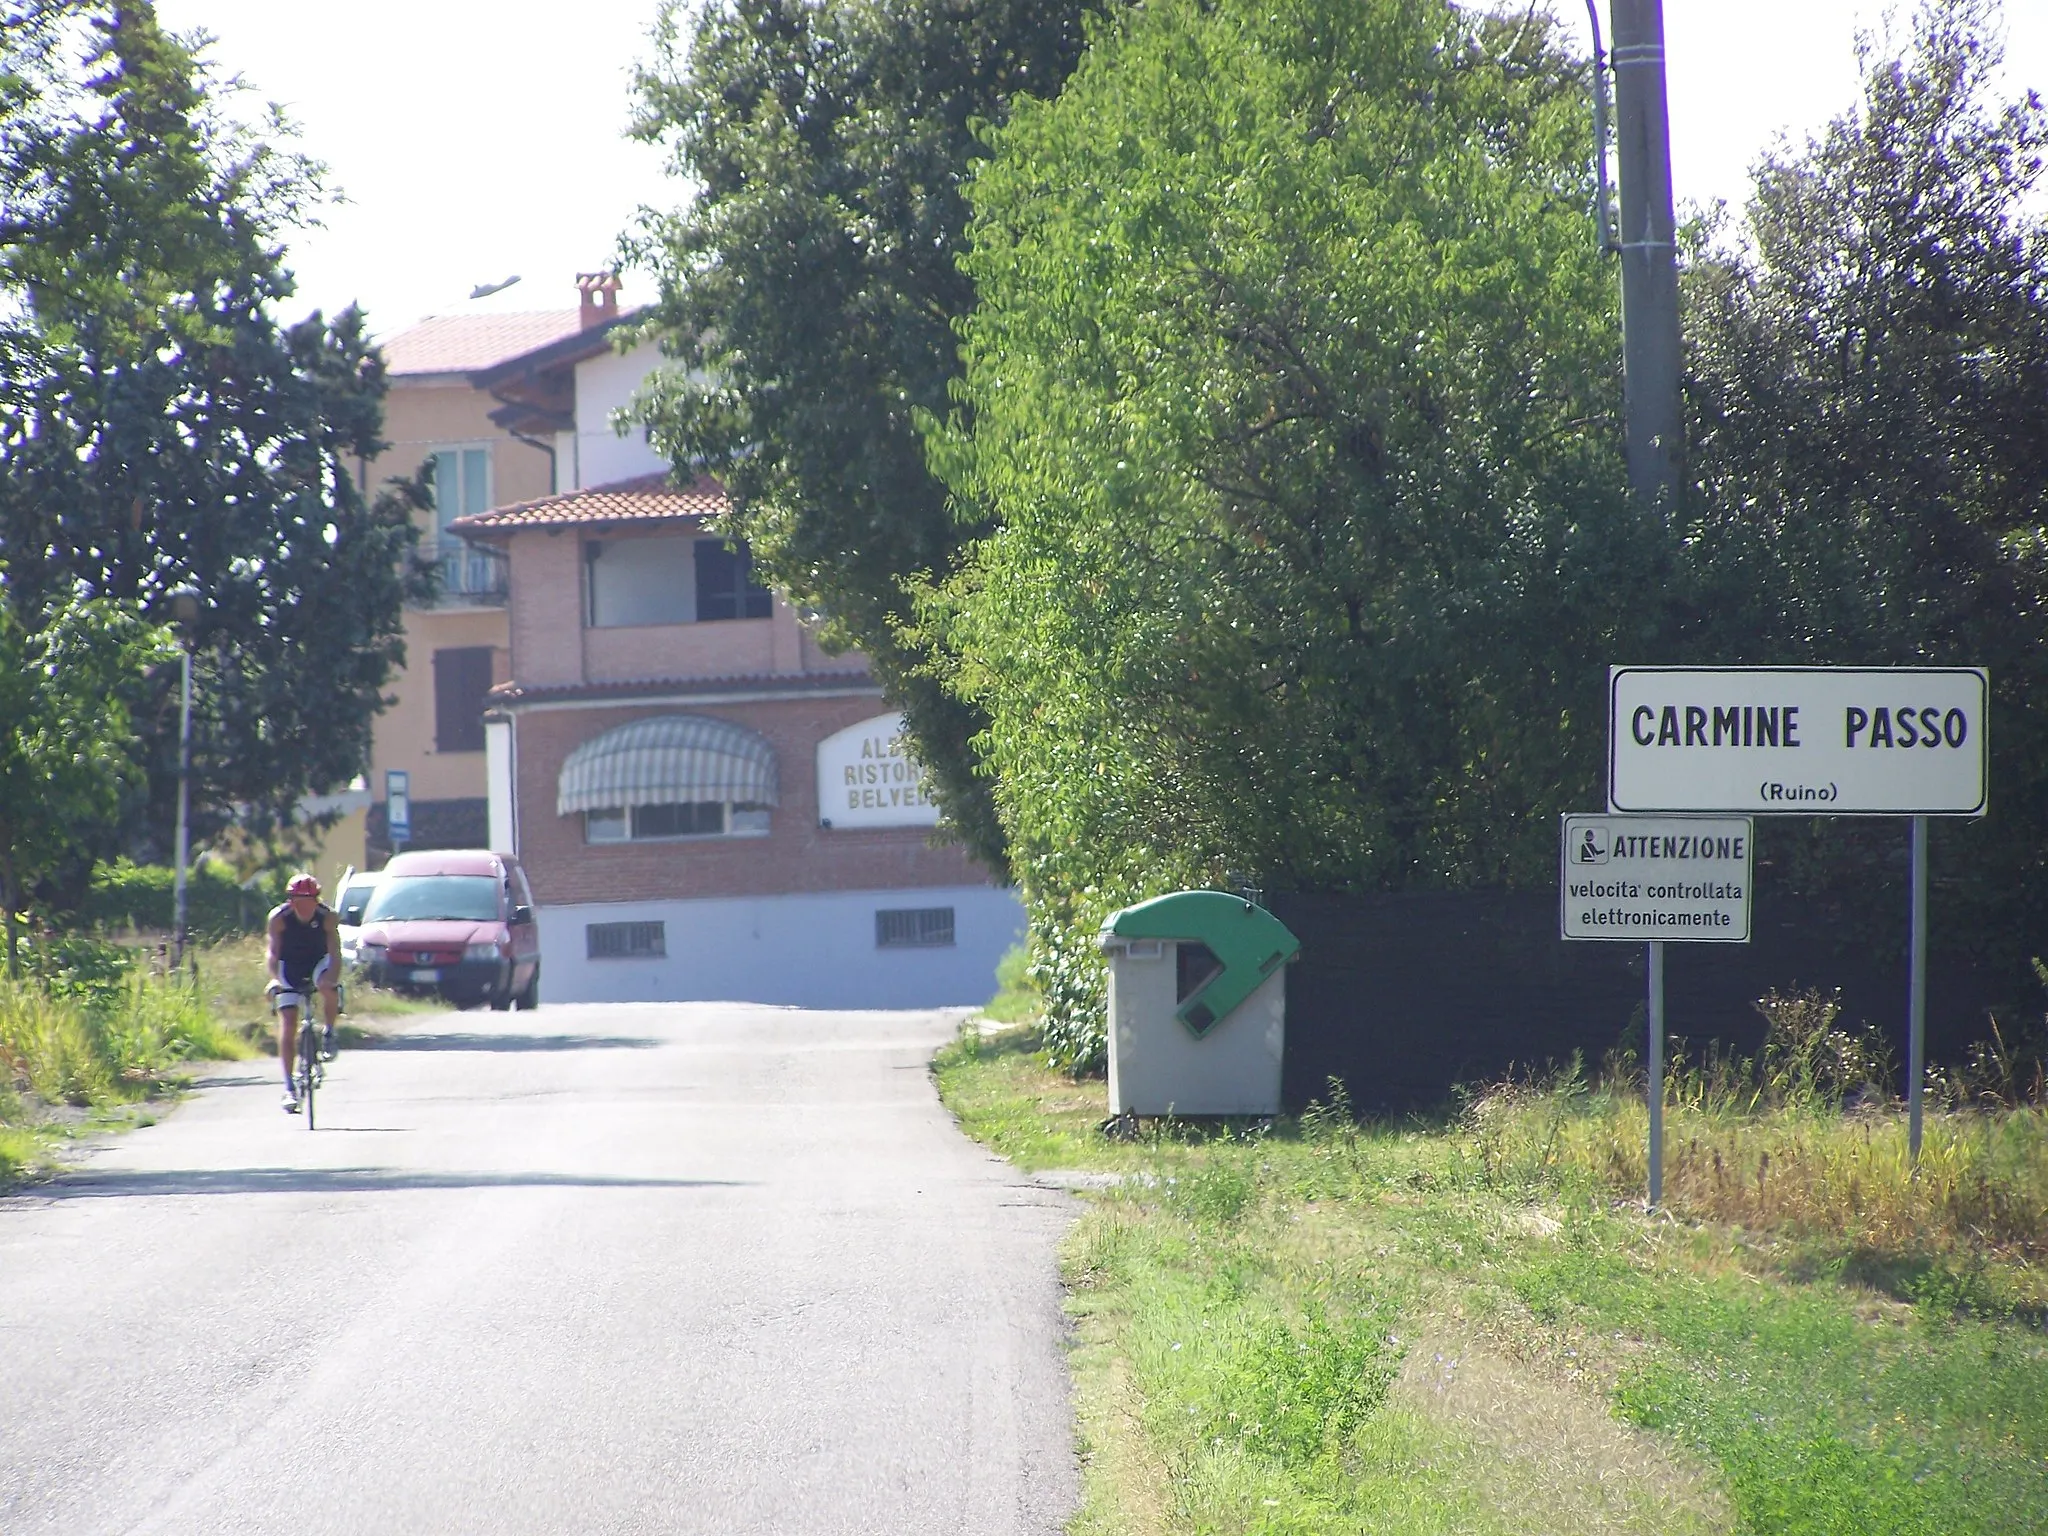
159	428
1289	400
1869	378
809	292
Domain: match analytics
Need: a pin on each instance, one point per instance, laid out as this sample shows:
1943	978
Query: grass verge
81	1046
93	1035
1321	1325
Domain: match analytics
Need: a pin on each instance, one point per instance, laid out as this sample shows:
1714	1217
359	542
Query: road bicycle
308	1072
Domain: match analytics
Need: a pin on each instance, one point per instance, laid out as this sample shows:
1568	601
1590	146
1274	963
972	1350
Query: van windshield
425	898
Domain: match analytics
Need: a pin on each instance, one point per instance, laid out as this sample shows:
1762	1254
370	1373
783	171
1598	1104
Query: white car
350	898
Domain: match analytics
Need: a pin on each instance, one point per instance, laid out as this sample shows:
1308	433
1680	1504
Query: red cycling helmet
302	885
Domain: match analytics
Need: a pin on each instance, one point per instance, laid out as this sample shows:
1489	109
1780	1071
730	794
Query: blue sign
398	805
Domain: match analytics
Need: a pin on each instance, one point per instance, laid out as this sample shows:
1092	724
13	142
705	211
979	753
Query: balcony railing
470	574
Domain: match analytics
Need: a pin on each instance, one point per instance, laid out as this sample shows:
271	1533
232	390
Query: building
440	416
707	804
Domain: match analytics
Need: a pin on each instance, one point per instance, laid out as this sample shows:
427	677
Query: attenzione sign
1656	877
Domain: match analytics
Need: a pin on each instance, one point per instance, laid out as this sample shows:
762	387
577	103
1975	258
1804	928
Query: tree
1869	386
66	744
809	293
158	427
1287	442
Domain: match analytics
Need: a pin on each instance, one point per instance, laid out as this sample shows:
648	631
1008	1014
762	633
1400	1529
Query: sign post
1810	741
1656	1023
398	807
1916	988
1632	878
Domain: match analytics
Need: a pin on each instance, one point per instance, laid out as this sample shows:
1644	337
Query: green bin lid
1250	942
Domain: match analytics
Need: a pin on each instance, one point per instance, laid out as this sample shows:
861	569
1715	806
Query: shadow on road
468	1042
87	1185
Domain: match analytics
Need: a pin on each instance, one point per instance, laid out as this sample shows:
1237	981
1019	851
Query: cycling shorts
299	991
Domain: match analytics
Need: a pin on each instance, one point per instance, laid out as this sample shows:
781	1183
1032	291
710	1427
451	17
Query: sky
475	141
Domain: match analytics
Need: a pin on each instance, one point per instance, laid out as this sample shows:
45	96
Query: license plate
426	975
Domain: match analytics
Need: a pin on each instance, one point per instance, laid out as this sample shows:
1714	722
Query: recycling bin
1197	1005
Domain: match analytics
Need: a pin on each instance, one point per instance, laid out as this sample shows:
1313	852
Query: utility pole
1655	429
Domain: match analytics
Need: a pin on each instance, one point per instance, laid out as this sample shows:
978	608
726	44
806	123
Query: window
462	679
624	941
462	487
913	928
354	897
638	581
668	579
726	588
654	823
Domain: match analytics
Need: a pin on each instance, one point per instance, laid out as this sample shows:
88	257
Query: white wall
603	384
813	950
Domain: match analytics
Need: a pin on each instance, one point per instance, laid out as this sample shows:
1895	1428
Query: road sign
1656	877
1814	741
397	805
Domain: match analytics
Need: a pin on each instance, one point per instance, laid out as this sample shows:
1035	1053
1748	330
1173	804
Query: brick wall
796	855
547	608
724	648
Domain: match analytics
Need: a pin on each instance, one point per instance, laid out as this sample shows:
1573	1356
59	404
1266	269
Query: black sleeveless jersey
302	946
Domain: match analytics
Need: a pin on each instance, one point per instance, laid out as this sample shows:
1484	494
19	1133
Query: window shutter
462	678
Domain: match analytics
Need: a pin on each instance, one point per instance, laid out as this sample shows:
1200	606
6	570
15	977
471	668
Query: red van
454	921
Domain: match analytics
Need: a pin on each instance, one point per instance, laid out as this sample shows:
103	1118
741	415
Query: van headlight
481	952
369	954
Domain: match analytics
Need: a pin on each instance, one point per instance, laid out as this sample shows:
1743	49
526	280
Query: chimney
600	292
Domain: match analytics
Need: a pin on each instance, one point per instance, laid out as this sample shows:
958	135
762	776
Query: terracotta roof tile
646	499
459	343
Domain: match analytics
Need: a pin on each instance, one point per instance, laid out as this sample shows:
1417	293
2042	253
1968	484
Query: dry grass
1527	1441
232	975
1768	1145
1981	1183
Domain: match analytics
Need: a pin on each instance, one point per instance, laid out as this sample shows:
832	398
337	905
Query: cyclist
305	954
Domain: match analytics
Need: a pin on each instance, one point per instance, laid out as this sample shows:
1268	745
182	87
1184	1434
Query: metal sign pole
1916	983
1656	1073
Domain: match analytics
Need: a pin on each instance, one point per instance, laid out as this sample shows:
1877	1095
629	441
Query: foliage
129	895
1286	425
66	747
809	292
1017	1000
108	1041
1868	358
158	428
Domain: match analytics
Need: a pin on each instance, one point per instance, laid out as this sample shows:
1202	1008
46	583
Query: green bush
126	895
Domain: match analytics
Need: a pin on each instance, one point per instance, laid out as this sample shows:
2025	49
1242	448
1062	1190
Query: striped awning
666	760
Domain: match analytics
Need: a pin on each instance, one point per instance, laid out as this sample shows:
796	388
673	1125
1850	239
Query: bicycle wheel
309	1068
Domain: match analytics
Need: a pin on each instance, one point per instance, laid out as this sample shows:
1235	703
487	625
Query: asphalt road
623	1268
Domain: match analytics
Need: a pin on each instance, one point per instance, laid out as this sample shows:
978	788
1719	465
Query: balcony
471	575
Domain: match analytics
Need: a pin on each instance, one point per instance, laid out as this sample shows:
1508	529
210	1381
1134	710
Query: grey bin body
1168	1052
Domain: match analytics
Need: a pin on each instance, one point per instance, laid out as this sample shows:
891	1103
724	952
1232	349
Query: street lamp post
185	608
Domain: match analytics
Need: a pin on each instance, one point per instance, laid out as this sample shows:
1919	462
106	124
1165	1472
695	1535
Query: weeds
90	1028
1769	1145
